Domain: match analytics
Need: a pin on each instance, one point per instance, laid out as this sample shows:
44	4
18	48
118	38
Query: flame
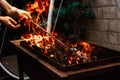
39	12
81	55
39	6
81	50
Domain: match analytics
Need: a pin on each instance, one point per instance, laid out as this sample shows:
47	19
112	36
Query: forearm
5	5
1	18
13	11
9	9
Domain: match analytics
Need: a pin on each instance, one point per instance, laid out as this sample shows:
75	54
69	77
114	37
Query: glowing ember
80	51
76	53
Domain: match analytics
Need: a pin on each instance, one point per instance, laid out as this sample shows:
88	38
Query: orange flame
39	6
46	42
39	13
83	55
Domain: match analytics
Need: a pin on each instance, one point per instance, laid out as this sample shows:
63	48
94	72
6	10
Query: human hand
18	13
23	14
9	22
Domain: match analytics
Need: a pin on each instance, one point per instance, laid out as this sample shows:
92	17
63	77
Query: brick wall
104	30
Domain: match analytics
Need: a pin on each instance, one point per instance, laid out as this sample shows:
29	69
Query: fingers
12	21
25	17
27	14
13	24
17	26
24	14
9	22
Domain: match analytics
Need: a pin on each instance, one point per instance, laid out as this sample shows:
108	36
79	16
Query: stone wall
104	30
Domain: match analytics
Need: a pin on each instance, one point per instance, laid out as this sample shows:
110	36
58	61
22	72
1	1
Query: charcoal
37	48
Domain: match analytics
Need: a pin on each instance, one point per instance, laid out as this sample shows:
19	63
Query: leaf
66	26
85	6
73	5
90	14
71	13
63	11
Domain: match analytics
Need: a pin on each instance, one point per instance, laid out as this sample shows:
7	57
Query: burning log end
53	57
24	43
94	58
37	48
80	47
59	57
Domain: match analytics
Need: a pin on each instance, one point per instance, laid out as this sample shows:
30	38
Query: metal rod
57	16
49	21
3	39
52	36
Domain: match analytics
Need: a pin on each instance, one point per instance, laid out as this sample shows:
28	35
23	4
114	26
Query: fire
80	52
72	54
44	42
83	54
39	12
39	6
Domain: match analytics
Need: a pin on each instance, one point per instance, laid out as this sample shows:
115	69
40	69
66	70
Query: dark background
10	33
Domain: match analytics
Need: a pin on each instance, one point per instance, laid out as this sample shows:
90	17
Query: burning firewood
64	51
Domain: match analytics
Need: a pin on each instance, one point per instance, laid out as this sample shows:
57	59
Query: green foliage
71	13
90	14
